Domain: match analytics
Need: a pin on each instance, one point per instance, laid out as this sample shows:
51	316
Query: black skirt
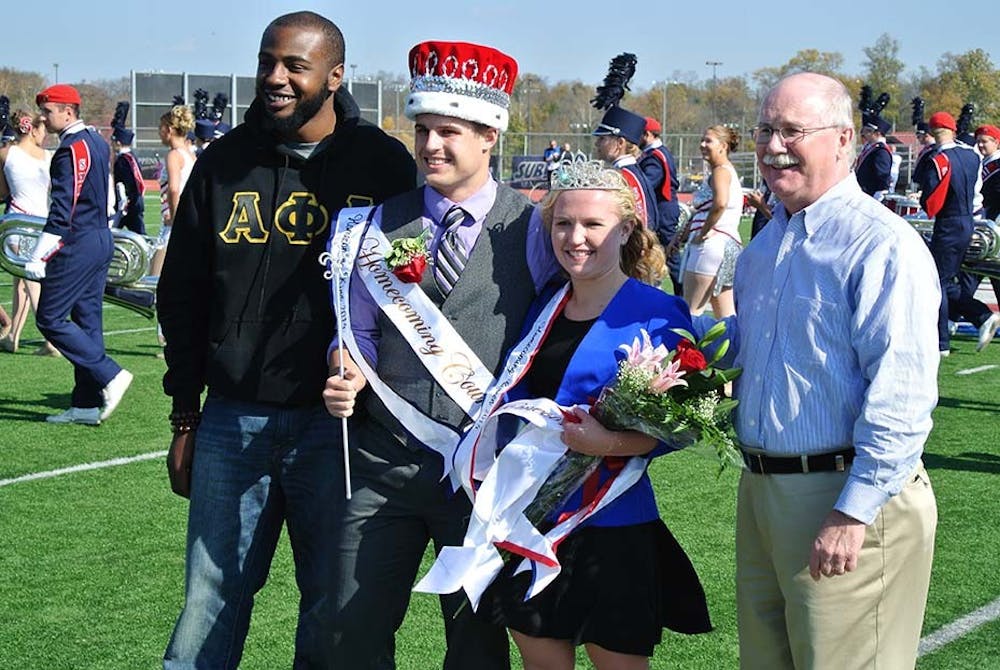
619	587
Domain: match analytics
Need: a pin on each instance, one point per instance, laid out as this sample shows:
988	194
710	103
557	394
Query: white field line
82	468
939	638
959	628
972	371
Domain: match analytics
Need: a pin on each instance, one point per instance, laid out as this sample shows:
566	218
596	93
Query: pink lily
668	377
645	356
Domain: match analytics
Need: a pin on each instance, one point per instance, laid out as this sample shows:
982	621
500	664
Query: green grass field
92	562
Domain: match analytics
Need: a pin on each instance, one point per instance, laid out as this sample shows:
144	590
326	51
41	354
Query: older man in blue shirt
836	303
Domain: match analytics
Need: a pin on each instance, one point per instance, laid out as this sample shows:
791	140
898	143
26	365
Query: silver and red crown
463	80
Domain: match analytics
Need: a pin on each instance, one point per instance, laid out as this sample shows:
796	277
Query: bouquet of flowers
675	396
408	258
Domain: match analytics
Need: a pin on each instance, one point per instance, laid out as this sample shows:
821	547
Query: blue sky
557	40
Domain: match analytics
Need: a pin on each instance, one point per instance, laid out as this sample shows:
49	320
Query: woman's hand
586	435
340	393
701	235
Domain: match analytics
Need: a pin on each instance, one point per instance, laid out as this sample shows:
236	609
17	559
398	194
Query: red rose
690	357
412	272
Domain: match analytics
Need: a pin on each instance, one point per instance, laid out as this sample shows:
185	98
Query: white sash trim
441	350
511	484
469	463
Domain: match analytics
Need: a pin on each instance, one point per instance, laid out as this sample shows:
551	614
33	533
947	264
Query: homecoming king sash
358	243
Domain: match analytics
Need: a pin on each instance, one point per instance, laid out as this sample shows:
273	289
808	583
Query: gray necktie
451	255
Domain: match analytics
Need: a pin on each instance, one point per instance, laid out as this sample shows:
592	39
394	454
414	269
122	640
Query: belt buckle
838	462
805	463
760	463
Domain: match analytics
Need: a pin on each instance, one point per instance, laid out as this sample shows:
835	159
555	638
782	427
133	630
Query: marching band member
988	143
72	258
948	180
130	206
660	168
873	166
490	261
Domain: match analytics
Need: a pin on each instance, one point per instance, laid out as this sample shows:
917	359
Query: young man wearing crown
488	260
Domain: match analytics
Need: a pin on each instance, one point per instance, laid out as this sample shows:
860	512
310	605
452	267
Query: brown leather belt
762	464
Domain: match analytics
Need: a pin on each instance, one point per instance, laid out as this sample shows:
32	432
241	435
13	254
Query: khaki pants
866	619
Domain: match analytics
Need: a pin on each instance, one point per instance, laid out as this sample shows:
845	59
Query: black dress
618	586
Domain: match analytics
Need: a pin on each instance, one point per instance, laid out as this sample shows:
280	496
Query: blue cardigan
595	364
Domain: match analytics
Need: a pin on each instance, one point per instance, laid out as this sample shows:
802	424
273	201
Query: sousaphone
129	284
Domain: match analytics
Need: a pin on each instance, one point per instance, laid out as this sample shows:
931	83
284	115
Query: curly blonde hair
22	122
642	256
180	120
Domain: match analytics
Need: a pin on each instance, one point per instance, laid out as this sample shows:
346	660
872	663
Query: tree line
687	103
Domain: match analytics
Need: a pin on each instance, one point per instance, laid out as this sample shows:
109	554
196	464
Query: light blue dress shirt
836	332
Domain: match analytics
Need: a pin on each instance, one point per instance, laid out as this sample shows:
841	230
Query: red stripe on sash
991	168
640	196
80	152
514	382
935	201
665	190
137	173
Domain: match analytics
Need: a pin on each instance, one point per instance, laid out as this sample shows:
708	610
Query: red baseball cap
653	126
942	120
991	131
60	94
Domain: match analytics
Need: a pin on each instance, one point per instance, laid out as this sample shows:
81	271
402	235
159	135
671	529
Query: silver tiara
586	175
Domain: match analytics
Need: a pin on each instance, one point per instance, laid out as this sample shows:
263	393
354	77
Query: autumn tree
882	71
968	77
806	60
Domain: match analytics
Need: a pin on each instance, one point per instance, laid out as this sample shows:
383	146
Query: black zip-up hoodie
242	300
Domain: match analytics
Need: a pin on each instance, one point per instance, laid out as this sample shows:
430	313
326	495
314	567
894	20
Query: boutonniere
408	258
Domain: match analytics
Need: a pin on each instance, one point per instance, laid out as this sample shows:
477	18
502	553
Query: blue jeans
256	466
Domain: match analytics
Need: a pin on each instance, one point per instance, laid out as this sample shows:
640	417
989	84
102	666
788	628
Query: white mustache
779	160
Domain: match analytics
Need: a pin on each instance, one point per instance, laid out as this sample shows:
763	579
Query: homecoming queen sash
512	475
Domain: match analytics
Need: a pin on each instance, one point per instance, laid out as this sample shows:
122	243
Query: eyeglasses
788	134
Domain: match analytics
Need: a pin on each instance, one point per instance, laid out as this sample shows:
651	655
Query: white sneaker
113	392
90	416
945	353
988	330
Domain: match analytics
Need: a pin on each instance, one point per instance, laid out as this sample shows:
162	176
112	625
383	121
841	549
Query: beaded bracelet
184	422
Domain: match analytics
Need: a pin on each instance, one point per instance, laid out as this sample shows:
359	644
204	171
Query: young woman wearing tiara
624	577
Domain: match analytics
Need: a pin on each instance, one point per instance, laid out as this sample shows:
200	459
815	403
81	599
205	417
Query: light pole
714	64
663	115
354	68
397	88
55	66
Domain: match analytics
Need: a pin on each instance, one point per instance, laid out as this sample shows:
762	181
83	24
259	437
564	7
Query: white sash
510	486
441	350
469	463
343	251
428	333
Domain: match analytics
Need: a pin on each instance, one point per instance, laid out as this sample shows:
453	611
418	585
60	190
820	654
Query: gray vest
487	306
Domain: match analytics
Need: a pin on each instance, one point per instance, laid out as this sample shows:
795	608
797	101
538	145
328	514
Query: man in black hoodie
245	311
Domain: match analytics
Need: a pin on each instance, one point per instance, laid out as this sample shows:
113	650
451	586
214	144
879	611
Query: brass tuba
129	284
983	255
